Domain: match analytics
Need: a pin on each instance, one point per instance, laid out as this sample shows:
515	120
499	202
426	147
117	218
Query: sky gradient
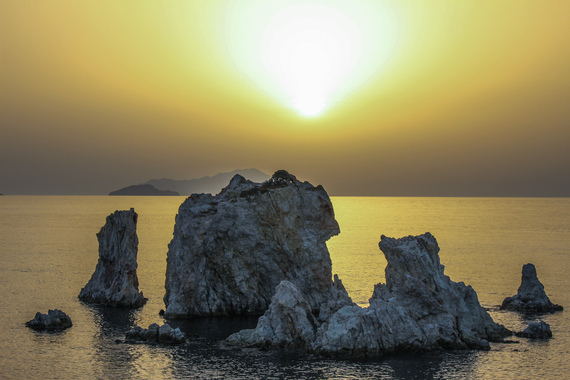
441	98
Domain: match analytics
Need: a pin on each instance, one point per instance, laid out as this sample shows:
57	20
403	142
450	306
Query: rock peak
115	281
530	296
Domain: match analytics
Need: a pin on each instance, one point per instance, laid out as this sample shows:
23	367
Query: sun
309	55
309	105
309	50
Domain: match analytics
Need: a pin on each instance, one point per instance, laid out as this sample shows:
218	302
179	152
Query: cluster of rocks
530	296
418	308
156	334
261	248
230	251
115	281
53	320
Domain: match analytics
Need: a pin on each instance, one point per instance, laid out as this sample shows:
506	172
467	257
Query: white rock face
230	251
115	281
530	296
418	308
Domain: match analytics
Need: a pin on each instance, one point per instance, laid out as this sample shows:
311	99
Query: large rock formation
230	251
115	281
53	320
418	308
530	296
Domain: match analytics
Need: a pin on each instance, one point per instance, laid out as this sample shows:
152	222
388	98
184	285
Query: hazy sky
416	97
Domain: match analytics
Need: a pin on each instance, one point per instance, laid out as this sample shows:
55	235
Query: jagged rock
288	322
339	299
418	308
230	251
536	330
156	334
530	296
115	281
53	320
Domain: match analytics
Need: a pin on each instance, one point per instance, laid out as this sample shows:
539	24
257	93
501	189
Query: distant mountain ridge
212	185
144	189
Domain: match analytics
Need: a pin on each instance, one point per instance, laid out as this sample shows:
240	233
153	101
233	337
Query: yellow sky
446	97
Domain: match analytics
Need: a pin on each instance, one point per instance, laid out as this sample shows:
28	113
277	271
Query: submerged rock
53	320
115	281
536	330
230	251
156	334
530	296
419	308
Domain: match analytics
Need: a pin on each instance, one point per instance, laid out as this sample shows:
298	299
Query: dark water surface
48	251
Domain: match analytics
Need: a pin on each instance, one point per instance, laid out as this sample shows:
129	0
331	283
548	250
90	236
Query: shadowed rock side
230	251
530	296
115	281
418	308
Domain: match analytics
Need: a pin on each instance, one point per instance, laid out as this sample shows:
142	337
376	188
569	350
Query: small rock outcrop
156	334
530	296
536	330
230	251
53	320
115	281
419	308
288	322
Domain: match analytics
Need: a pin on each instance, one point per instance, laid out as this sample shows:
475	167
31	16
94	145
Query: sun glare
309	49
310	105
309	55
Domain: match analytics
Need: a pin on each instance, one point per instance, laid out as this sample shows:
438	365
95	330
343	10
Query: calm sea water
48	251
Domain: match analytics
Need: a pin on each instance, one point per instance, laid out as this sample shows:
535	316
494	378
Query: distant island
212	185
144	189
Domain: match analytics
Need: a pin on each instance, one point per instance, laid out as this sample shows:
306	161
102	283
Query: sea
49	249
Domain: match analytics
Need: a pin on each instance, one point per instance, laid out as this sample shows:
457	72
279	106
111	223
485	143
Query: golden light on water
309	56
